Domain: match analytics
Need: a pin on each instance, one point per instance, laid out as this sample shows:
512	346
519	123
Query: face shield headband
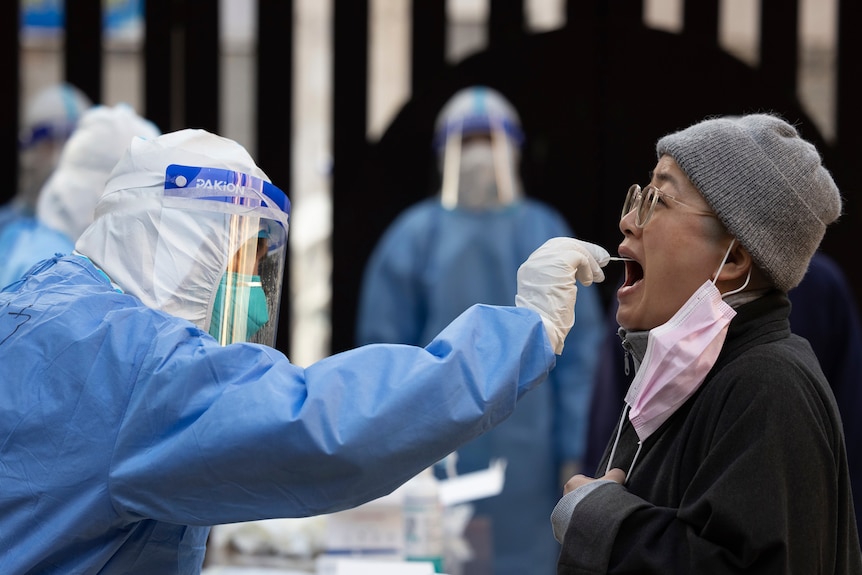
478	123
45	132
244	249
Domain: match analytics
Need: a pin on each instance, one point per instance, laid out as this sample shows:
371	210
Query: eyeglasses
643	203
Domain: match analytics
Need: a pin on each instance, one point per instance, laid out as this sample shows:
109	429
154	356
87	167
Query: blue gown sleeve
223	434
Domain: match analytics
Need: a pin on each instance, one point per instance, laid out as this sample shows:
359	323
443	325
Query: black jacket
749	476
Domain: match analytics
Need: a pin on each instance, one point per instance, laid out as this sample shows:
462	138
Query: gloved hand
546	282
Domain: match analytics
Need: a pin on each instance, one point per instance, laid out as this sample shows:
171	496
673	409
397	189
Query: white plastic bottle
423	520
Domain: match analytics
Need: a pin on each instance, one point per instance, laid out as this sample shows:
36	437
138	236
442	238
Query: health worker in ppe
49	119
729	453
68	198
128	429
461	247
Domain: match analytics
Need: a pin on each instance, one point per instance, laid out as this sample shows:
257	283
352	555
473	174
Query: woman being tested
141	401
729	456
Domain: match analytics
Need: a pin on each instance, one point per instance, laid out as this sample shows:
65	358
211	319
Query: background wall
324	94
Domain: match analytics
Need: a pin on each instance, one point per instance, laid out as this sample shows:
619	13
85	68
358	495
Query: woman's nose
627	224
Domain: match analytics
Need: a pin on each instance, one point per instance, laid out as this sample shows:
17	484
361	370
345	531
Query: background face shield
479	166
245	292
36	163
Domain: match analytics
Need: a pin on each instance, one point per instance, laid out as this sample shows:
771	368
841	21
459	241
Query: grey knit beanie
766	184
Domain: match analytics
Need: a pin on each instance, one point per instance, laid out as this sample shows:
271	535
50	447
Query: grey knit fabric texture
767	185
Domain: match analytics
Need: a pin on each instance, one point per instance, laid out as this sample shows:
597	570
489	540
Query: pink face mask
679	354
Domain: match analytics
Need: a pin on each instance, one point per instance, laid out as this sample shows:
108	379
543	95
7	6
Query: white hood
171	252
68	199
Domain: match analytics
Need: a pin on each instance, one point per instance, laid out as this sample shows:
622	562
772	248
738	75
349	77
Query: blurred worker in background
49	119
128	429
825	313
463	246
68	198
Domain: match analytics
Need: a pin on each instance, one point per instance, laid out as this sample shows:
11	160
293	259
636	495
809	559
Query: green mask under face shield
239	295
249	241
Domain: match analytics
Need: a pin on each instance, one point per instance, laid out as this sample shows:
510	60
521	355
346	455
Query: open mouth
634	273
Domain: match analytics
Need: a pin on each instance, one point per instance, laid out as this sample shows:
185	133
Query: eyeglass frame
635	201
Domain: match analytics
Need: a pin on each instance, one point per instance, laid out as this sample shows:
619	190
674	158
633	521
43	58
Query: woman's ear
738	266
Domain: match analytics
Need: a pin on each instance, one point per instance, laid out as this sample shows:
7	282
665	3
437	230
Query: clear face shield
250	236
38	155
480	166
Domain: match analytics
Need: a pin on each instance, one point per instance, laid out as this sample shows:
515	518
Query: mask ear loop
740	288
724	261
617	439
634	460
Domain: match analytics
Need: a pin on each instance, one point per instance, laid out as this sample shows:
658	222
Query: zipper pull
626	361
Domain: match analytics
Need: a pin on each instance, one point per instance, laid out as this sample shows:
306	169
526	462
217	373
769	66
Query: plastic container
423	520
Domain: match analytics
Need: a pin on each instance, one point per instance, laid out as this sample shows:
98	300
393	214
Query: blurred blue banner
45	17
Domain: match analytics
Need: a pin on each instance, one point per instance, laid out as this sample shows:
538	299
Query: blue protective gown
11	211
25	241
430	265
126	432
